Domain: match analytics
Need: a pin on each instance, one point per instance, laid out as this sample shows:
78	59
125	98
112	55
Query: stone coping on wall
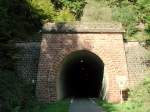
78	27
28	44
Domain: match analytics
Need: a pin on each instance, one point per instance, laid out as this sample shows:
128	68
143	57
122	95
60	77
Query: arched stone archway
80	75
105	41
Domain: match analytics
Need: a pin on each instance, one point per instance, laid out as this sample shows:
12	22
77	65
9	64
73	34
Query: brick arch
105	41
57	64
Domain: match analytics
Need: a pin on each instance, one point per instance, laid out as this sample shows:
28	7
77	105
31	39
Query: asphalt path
84	105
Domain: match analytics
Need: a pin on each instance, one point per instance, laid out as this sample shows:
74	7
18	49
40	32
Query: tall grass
96	11
139	100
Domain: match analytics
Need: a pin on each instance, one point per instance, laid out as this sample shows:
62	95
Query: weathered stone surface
27	60
78	27
108	45
135	54
45	58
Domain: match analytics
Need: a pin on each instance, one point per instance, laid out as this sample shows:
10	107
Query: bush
64	16
14	92
128	17
131	30
138	100
131	13
125	15
43	8
75	6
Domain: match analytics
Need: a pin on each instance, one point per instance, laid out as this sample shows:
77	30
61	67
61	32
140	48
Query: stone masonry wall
136	58
41	62
27	60
55	47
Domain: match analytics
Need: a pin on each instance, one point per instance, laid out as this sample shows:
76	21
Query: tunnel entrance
81	75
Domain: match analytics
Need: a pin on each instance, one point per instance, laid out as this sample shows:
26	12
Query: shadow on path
84	105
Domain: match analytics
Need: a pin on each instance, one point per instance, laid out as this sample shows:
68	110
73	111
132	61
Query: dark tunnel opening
81	75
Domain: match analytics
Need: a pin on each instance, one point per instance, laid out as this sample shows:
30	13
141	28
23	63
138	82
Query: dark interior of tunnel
82	75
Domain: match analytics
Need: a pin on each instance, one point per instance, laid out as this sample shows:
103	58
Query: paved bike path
84	105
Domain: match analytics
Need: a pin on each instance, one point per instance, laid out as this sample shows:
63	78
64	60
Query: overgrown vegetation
15	94
97	11
75	6
60	106
133	14
21	20
138	100
135	17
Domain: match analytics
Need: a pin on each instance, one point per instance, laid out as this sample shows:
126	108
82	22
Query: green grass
108	107
59	106
138	100
140	36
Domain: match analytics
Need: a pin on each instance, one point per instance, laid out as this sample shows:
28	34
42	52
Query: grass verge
60	106
138	100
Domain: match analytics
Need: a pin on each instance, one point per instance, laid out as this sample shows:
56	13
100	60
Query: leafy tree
20	20
143	7
75	6
42	8
64	15
131	13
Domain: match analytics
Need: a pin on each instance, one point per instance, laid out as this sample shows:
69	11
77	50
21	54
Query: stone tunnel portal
81	75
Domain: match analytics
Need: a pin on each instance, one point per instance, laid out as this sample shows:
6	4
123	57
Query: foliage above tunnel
75	6
134	15
21	20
